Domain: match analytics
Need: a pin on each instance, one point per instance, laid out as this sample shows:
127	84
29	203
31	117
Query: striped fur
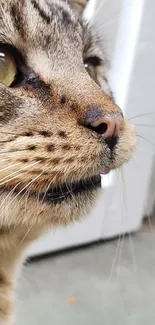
44	139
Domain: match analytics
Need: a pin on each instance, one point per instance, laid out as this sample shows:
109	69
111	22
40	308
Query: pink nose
109	126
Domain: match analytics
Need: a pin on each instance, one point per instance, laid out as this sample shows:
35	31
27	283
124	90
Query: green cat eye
8	68
91	64
91	70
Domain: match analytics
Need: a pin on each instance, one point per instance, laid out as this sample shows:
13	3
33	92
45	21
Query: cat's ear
78	5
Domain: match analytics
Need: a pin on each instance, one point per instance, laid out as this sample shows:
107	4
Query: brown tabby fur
43	140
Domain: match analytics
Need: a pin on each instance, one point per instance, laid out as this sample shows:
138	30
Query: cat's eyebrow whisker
110	21
99	7
16	172
140	115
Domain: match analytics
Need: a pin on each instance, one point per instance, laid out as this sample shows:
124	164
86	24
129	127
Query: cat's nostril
104	126
100	129
109	127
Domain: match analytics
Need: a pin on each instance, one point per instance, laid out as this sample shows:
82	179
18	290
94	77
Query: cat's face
50	157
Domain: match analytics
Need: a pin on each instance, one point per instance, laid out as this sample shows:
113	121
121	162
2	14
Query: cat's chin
70	191
57	207
67	210
68	203
73	209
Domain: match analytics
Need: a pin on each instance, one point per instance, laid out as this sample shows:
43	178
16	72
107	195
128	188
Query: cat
59	127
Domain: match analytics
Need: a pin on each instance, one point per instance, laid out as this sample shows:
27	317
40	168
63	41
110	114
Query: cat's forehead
46	32
38	22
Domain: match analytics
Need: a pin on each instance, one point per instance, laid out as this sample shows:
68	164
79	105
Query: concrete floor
111	283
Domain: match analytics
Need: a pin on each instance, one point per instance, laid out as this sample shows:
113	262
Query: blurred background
102	271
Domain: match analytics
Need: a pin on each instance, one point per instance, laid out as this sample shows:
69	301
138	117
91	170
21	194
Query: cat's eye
91	70
8	68
91	65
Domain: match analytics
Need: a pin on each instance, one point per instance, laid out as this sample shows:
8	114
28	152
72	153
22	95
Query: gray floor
105	284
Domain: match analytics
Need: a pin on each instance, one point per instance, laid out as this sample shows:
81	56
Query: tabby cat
59	127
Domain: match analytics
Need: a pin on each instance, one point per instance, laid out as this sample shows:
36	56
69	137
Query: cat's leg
9	265
6	300
12	247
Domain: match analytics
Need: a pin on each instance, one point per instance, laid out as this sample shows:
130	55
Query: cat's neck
13	243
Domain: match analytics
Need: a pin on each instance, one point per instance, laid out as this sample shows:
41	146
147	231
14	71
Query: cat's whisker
147	125
28	185
119	257
124	213
9	180
71	192
142	137
40	202
46	191
114	261
24	237
12	151
132	252
99	7
23	189
119	246
9	194
110	21
148	217
11	133
26	194
10	166
63	194
6	141
38	177
16	172
141	115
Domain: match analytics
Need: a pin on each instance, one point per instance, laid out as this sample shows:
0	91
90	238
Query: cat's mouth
71	190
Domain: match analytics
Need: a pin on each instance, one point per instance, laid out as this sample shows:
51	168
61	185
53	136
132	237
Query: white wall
107	19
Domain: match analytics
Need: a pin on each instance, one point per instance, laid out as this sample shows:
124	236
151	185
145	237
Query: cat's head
58	128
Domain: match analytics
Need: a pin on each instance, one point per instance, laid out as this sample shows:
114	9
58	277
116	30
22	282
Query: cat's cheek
8	106
127	145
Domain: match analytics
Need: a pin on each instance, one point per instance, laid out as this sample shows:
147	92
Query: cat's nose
108	126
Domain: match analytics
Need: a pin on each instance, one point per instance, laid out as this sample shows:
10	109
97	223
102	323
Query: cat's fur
44	140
